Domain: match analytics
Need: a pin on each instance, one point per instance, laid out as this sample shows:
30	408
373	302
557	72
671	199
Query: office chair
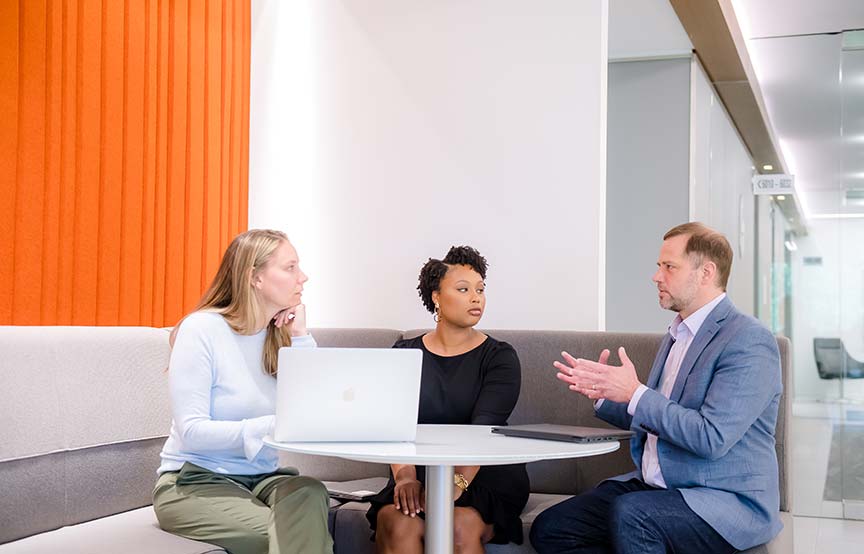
833	362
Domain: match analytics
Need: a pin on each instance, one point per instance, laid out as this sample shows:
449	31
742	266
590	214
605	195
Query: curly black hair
434	270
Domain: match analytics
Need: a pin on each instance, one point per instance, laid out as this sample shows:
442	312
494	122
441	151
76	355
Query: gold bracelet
460	481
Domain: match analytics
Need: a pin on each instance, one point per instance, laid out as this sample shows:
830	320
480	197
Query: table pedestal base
439	509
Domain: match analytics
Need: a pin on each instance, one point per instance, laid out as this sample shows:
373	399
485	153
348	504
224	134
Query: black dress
479	387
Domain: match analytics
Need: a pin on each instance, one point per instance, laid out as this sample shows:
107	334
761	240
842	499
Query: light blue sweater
222	401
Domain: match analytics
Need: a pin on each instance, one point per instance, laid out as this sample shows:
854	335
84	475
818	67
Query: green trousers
278	513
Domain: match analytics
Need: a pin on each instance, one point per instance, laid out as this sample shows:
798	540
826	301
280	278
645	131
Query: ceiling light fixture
767	167
781	197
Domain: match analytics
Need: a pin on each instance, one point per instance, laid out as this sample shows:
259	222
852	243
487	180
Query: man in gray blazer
706	478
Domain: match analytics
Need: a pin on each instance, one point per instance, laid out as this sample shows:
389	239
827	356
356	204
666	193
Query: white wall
720	185
641	29
647	184
828	301
674	156
384	132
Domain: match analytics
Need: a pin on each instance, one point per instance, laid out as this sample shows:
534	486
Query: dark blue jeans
625	518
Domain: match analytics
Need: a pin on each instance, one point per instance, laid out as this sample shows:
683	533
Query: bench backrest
84	414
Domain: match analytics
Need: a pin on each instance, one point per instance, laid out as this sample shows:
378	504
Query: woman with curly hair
468	378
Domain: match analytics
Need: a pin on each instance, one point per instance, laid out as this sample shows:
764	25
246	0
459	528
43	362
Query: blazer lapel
709	328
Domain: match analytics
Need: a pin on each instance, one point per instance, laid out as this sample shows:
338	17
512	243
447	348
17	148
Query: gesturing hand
599	380
408	496
293	317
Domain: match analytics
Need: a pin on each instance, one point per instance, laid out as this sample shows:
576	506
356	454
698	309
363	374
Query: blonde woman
218	483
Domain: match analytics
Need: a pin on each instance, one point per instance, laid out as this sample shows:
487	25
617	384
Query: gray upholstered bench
85	412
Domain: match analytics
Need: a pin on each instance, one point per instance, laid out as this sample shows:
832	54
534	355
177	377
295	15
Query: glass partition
848	442
817	298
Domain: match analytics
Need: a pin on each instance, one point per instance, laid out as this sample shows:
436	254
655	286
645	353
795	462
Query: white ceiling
796	50
772	18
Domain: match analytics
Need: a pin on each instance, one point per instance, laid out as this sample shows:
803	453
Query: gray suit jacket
716	431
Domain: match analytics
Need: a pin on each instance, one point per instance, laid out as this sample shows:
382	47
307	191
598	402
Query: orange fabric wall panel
124	153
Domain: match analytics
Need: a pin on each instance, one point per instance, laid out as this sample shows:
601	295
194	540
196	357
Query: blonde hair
231	293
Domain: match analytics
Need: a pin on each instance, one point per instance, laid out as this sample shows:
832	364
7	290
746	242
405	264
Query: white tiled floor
814	535
818	528
810	466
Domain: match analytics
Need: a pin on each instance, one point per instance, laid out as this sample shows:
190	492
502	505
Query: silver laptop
567	433
347	394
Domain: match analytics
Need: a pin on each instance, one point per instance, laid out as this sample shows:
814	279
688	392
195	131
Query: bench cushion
134	532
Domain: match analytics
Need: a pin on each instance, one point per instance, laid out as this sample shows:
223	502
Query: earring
437	315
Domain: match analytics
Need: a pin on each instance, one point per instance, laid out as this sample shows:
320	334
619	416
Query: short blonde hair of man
704	243
232	295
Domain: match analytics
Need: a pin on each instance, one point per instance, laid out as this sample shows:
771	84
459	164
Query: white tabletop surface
451	445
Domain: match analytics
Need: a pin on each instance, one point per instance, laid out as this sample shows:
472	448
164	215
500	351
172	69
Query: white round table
440	448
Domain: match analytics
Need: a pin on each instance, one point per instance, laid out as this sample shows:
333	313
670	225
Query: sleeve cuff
631	407
598	403
306	341
254	431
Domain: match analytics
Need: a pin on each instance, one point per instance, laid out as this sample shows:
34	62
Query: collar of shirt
695	321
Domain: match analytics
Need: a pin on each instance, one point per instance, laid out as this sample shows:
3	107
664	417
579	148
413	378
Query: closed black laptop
567	433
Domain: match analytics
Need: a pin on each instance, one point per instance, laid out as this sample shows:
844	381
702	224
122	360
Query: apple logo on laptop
348	395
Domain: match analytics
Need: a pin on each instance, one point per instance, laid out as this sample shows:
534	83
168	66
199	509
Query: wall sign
773	184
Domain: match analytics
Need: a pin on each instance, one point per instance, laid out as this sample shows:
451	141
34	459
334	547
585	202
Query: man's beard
679	303
672	304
